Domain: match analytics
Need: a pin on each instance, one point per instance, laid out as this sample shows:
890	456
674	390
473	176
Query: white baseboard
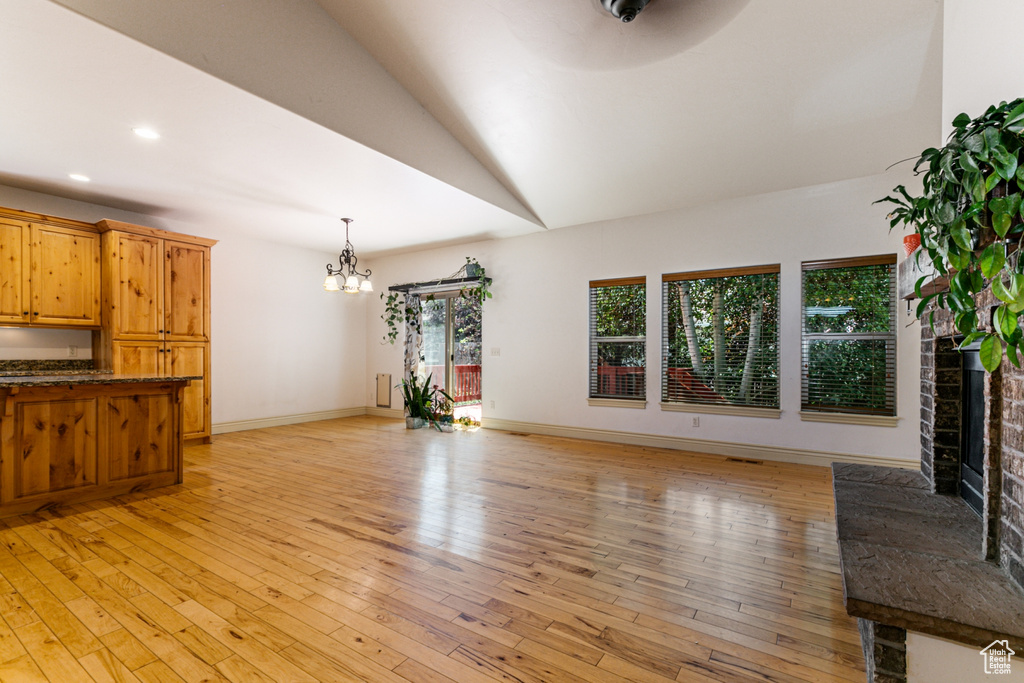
397	413
734	450
243	425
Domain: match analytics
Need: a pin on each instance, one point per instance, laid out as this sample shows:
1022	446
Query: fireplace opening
972	430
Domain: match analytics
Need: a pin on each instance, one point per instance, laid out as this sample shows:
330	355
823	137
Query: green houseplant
424	402
969	219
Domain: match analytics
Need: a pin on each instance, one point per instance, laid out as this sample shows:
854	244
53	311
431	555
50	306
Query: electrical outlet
495	351
696	422
72	351
492	405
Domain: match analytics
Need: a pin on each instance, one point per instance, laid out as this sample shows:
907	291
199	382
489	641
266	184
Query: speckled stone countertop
73	378
46	367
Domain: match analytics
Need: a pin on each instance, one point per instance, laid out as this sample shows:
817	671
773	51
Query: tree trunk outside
753	342
696	362
718	326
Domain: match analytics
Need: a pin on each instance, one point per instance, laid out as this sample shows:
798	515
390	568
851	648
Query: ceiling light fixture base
624	10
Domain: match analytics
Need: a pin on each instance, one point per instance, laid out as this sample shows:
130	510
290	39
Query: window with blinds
618	337
849	335
720	337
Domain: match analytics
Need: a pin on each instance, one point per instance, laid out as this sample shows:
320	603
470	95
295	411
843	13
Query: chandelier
347	270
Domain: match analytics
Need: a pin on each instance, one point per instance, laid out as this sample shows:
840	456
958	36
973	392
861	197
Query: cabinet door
137	269
54	448
186	271
14	271
140	436
138	358
193	359
65	277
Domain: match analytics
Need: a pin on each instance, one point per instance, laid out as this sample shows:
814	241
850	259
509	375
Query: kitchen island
68	438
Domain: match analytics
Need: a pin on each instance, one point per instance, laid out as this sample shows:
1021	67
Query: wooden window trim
619	282
828	264
721	272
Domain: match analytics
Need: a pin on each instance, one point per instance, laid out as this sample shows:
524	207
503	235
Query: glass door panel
435	341
466	335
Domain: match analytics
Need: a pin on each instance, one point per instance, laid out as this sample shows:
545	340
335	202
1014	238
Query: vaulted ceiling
446	121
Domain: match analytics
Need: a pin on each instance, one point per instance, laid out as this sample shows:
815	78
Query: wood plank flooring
354	550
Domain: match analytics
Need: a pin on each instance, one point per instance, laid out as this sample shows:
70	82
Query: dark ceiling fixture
347	270
626	10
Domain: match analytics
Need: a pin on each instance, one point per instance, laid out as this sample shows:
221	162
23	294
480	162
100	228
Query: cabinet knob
25	313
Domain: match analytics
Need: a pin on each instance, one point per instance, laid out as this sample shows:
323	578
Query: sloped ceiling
454	120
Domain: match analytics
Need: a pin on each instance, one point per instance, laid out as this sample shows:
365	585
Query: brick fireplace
1002	496
915	555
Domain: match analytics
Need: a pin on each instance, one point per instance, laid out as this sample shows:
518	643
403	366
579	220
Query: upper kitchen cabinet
65	277
50	275
156	285
133	290
186	291
14	270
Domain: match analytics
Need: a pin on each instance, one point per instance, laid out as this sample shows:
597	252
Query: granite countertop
911	558
61	379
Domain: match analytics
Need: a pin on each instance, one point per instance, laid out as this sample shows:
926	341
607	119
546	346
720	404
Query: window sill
617	403
850	419
741	411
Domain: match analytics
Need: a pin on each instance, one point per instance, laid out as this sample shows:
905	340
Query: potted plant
444	411
968	217
419	400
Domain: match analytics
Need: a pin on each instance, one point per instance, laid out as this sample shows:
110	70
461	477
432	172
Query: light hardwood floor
356	550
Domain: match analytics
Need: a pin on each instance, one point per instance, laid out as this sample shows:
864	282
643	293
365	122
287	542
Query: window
618	329
849	335
720	338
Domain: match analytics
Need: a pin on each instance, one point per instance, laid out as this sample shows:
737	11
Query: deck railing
466	384
614	380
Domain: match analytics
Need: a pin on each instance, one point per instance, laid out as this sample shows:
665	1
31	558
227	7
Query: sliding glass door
452	349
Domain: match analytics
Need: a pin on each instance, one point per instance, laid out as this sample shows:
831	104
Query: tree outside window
720	337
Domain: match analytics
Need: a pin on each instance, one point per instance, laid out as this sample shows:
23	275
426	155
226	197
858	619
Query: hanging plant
969	219
479	292
396	309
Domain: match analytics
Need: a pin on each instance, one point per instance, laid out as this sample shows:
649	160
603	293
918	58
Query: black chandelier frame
347	260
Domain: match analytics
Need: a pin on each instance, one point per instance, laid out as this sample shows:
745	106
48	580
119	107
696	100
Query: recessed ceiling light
147	133
79	177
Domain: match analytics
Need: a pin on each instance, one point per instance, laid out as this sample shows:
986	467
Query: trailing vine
396	308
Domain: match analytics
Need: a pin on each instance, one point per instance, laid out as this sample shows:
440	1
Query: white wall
936	660
281	346
538	316
981	63
25	343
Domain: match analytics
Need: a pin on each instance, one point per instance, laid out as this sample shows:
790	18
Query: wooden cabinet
156	299
14	270
173	359
68	444
50	275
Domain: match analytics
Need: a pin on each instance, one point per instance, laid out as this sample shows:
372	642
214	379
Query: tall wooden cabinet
156	306
49	275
